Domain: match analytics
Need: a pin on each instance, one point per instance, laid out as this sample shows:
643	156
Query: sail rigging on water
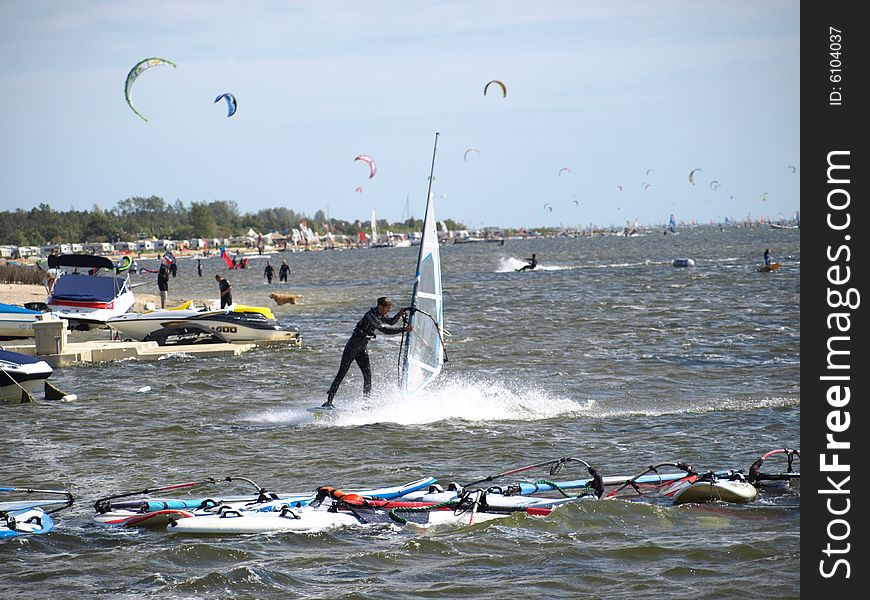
375	239
423	352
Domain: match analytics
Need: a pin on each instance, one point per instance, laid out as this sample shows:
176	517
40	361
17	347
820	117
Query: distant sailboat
377	240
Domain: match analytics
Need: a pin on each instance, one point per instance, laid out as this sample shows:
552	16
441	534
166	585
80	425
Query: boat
377	240
767	268
16	322
156	511
30	517
21	375
191	324
89	299
422	353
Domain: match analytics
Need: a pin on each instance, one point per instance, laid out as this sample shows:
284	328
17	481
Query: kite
793	168
692	175
373	168
472	149
548	207
359	190
714	185
231	103
565	170
500	84
137	70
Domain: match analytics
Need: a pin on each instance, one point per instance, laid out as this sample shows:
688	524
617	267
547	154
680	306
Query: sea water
605	352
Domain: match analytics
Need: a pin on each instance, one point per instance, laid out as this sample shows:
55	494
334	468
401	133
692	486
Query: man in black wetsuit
533	262
374	320
226	291
163	284
284	272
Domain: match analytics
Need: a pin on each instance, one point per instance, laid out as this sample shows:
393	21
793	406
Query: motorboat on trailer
91	298
21	375
192	324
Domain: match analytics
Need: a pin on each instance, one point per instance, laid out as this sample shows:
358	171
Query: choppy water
606	353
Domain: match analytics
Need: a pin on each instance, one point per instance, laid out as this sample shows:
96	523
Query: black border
825	128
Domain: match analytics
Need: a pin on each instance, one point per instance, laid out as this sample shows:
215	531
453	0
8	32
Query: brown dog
285	298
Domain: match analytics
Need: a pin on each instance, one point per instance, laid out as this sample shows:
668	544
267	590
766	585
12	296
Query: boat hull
20	373
230	325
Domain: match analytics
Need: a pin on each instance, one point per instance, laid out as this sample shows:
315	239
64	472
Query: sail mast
422	357
425	221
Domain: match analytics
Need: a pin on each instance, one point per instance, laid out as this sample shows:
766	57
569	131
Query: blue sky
608	89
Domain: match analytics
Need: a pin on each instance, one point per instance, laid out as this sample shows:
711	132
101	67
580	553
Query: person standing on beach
163	284
270	272
284	272
356	349
226	291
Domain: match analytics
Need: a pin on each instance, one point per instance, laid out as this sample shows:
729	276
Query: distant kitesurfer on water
533	262
374	320
767	257
226	291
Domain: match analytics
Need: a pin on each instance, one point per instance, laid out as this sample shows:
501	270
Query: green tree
202	220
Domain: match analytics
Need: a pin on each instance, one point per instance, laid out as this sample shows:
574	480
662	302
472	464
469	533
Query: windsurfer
532	263
374	320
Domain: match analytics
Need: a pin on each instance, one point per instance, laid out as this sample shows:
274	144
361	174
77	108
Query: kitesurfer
533	262
767	257
269	272
374	320
284	272
163	284
226	291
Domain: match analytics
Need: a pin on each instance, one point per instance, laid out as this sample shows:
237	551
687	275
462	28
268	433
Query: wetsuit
356	348
533	262
163	285
270	273
283	272
226	293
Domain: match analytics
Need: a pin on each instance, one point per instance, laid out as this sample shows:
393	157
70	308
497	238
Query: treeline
141	218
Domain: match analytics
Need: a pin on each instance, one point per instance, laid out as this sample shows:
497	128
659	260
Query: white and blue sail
423	352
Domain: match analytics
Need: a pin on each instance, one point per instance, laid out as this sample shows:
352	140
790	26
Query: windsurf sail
375	239
422	354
